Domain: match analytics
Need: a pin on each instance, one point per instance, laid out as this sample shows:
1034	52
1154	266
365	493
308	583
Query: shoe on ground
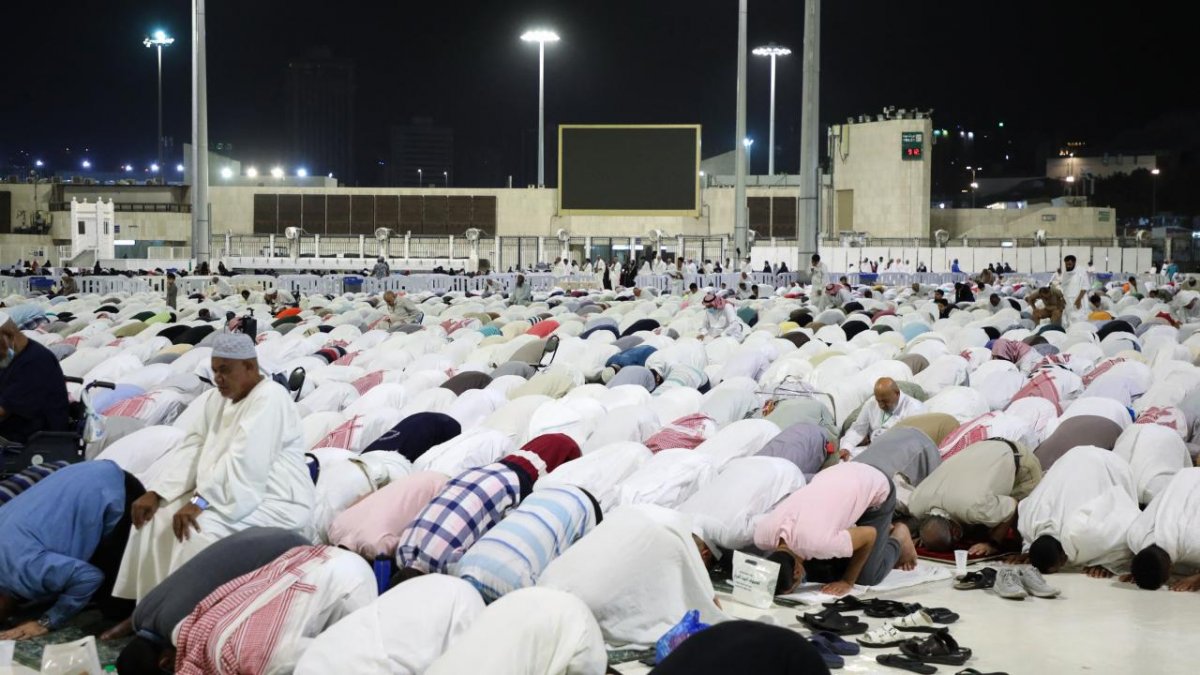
1008	584
1035	584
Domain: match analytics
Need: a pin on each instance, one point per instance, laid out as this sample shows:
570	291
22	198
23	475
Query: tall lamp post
541	36
749	143
1154	192
420	179
772	50
159	40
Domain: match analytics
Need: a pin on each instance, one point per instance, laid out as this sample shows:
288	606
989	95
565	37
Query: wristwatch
201	502
44	622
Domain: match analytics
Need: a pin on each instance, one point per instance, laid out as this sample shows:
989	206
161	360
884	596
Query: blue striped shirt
513	554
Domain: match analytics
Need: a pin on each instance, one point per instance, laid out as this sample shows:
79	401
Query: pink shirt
814	521
372	526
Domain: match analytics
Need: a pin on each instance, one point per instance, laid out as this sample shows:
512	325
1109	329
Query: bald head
887	394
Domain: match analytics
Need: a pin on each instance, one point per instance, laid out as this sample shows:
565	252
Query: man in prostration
241	465
1167	534
980	487
1080	513
879	414
837	530
60	543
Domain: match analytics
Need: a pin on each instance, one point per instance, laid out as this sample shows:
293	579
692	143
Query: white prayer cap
237	346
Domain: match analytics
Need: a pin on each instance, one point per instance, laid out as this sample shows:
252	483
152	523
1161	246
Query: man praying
879	414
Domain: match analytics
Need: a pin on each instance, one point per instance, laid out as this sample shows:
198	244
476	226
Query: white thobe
1074	283
872	421
1086	501
726	510
818	274
1172	520
247	460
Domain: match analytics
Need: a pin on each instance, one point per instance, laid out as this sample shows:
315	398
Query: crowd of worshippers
457	483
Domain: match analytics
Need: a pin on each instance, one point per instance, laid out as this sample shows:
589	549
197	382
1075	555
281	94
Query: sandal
832	661
833	622
904	663
941	615
940	647
847	603
835	643
883	637
972	671
918	622
981	579
890	609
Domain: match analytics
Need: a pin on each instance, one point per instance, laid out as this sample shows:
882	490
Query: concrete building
420	152
319	114
1099	167
881	177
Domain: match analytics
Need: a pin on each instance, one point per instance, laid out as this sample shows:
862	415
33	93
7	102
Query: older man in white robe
1079	514
879	414
241	465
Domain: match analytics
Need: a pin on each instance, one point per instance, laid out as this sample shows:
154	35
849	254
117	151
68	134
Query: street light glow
252	173
86	164
1153	172
747	142
159	39
540	35
771	50
39	163
179	168
302	173
1070	179
154	167
277	172
226	172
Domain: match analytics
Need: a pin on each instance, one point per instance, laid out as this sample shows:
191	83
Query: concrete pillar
740	214
201	210
809	130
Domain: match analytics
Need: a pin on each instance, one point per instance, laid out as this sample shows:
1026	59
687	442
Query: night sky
77	75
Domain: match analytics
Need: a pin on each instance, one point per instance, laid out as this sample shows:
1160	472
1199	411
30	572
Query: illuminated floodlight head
179	168
302	173
159	38
277	172
154	168
771	50
226	172
252	172
540	35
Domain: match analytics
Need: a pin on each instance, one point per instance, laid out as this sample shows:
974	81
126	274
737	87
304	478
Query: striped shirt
470	505
513	554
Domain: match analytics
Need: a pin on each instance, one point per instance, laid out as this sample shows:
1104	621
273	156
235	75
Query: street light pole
420	179
772	50
159	40
541	37
741	225
1154	192
201	218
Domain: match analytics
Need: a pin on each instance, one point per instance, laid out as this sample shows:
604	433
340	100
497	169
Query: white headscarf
402	632
636	597
599	472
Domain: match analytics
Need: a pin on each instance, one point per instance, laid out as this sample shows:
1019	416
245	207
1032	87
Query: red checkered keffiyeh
207	646
1041	386
1168	417
968	434
1100	369
685	432
130	407
346	360
1053	361
368	382
342	436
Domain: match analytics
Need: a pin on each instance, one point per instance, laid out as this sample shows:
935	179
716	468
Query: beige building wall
876	190
1058	222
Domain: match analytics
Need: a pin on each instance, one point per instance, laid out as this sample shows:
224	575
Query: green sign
912	145
1105	216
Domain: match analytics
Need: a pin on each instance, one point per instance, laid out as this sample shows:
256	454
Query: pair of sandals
832	648
890	609
893	634
916	654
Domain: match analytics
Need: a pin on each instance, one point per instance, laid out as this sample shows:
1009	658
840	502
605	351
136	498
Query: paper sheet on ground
810	594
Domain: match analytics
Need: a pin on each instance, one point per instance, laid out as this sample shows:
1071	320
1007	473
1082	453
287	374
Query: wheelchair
45	447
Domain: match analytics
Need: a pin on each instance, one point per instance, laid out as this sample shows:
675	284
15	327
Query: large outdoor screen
651	170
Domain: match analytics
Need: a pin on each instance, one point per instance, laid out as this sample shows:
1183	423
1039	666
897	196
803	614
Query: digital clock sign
912	145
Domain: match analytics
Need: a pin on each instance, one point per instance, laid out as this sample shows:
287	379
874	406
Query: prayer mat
29	652
618	656
948	556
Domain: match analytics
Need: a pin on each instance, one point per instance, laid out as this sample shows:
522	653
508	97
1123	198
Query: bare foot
908	550
1097	572
121	630
1191	583
1125	578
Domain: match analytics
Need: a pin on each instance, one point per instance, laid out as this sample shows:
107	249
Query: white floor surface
1096	626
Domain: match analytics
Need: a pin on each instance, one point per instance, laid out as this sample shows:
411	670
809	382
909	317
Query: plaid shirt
470	505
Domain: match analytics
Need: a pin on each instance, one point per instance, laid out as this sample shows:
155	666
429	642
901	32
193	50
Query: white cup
960	562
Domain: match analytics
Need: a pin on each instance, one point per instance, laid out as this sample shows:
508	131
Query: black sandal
939	647
890	609
941	615
982	579
848	603
833	622
904	663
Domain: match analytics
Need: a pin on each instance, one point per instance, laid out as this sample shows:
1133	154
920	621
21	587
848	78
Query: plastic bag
754	580
72	658
687	627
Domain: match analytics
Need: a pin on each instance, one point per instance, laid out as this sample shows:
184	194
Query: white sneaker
1008	584
1035	584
